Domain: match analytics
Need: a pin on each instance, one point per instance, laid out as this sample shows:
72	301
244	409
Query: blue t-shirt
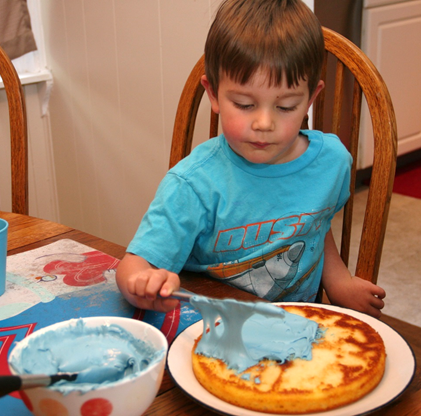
258	227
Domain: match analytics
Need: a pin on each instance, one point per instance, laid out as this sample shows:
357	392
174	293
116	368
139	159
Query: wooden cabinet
391	37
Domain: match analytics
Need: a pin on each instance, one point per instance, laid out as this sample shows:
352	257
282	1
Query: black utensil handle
8	384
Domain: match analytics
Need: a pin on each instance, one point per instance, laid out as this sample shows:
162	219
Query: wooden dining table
28	233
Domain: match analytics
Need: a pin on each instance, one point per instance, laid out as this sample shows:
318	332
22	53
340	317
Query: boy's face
260	122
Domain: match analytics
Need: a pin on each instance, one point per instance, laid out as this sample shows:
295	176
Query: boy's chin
262	159
259	156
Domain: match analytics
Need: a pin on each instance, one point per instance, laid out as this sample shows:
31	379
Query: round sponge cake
347	363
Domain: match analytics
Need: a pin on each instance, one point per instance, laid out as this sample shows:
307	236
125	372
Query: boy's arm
141	283
346	290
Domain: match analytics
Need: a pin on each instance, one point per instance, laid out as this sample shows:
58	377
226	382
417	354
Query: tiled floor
400	269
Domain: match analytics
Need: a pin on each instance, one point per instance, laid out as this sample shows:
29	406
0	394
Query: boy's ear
209	91
316	92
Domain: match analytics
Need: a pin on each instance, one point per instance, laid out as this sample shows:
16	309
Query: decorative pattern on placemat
66	280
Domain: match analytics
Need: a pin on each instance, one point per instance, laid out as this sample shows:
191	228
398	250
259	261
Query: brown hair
283	37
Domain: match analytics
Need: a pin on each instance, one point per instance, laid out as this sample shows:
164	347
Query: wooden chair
367	82
18	134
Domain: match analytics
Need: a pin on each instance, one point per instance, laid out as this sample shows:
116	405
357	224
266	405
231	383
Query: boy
252	207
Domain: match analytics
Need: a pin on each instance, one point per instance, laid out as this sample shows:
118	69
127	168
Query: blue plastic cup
3	254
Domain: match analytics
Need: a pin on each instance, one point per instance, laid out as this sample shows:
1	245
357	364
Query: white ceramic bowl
129	396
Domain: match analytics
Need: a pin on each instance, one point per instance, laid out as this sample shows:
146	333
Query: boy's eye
287	109
243	106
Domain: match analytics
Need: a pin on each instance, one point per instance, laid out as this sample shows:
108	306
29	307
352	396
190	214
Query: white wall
118	67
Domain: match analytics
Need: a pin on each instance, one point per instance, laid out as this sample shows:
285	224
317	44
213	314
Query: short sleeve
171	225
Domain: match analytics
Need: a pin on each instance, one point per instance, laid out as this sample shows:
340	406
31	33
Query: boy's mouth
260	145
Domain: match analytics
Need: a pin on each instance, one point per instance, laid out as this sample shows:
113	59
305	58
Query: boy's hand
358	294
151	287
345	290
145	286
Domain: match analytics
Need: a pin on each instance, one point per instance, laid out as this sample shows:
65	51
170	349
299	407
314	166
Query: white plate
400	368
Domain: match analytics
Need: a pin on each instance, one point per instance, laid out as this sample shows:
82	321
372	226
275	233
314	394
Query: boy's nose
263	121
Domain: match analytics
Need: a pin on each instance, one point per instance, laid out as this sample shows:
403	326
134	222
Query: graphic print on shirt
267	276
271	274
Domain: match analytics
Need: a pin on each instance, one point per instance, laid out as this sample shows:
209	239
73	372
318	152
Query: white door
391	39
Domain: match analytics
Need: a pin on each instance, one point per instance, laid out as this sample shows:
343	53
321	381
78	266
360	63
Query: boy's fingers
135	286
172	283
377	302
161	282
159	305
381	294
375	312
165	305
145	284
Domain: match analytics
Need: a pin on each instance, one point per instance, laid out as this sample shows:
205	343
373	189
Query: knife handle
186	296
8	384
25	381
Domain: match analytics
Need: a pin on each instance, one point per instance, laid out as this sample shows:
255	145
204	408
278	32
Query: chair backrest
367	82
18	134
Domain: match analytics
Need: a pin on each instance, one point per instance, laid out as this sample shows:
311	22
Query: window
32	67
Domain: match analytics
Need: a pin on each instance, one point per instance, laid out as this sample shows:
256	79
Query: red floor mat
408	180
